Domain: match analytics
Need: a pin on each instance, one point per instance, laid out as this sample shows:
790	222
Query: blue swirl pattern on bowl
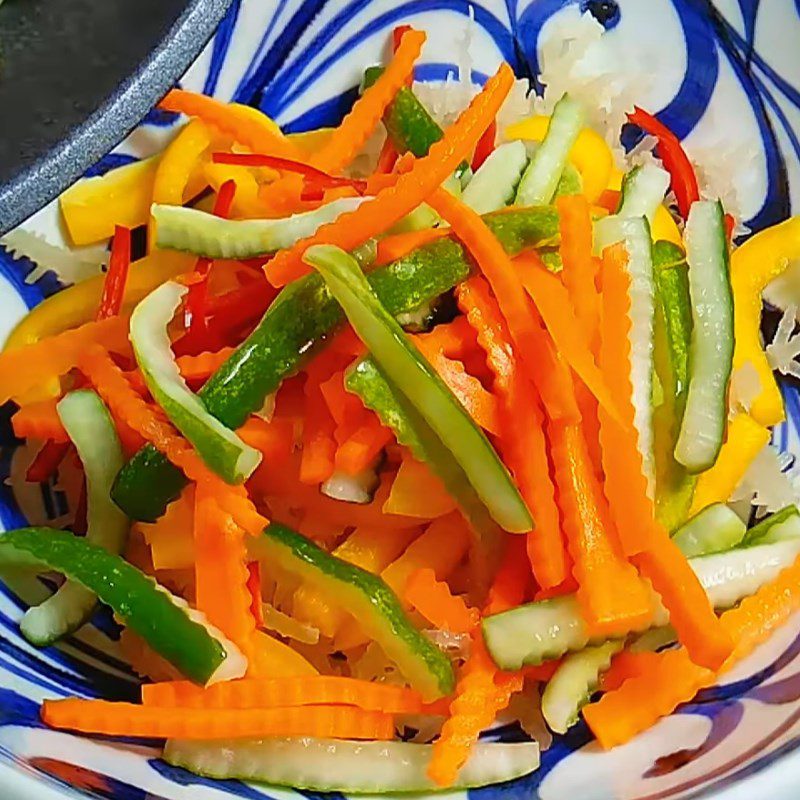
300	61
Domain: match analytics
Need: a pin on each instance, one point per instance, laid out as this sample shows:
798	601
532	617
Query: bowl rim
119	113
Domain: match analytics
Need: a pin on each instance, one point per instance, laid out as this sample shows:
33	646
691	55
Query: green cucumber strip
673	331
219	447
569	183
574	683
711	353
782	526
538	632
193	231
540	179
177	633
494	185
298	325
714	530
91	430
378	393
420	383
635	233
643	190
339	765
368	599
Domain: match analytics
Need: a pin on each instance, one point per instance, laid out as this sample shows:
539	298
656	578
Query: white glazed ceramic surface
725	75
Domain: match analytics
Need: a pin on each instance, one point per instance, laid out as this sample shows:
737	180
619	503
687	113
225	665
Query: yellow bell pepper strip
245	199
590	154
78	304
746	439
178	162
756	263
663	227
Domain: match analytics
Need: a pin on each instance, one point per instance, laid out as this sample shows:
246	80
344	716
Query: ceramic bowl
725	75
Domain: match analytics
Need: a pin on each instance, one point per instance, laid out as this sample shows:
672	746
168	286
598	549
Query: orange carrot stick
412	188
642	538
126	719
356	127
672	678
627	665
524	324
390	248
194	368
512	579
319	445
359	451
284	693
39	420
434	600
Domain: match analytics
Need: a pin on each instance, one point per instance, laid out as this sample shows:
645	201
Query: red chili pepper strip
670	151
485	146
387	158
397	35
117	275
47	461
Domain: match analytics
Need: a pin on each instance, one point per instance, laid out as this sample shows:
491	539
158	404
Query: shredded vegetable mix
398	422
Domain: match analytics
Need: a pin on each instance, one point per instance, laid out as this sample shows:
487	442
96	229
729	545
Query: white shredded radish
768	482
783	350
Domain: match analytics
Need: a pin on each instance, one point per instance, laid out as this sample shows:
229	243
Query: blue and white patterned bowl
725	75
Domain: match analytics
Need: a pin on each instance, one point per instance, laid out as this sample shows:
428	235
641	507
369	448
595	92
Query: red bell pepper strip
485	146
47	461
676	162
117	275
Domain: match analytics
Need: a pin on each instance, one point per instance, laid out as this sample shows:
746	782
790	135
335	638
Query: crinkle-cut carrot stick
171	536
672	678
390	248
247	126
127	719
221	573
275	439
642	538
554	304
25	368
434	600
122	399
359	451
580	269
356	127
180	158
319	444
626	665
478	699
536	351
512	579
412	188
39	420
285	693
613	598
195	368
522	439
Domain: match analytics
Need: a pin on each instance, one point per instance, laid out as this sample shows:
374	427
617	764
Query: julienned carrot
179	160
126	719
285	693
221	573
580	268
248	127
434	600
412	188
39	420
673	678
126	404
613	599
524	324
553	302
642	538
359	451
512	579
627	665
195	368
32	365
274	439
319	445
356	127
522	438
390	248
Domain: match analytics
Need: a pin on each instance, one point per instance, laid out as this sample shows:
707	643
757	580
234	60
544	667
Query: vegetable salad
371	458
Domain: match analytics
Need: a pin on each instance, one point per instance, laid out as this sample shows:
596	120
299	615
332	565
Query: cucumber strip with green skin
420	383
173	630
673	331
193	231
91	430
339	765
634	232
540	179
219	447
494	185
574	683
643	190
782	526
715	529
538	632
711	353
569	183
378	393
368	599
302	320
